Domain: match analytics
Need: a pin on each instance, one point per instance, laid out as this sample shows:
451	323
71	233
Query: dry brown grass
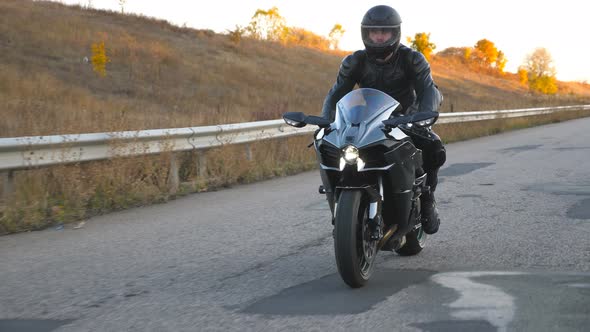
159	75
63	194
163	76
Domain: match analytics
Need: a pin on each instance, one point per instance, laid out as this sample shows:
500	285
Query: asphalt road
513	254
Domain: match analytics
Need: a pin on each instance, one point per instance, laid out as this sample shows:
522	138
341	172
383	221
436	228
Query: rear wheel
354	250
415	242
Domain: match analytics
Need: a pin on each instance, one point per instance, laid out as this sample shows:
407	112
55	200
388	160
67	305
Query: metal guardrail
36	151
490	115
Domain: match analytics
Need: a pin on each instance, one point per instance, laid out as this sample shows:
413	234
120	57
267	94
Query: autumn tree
335	35
484	54
467	53
99	59
422	44
501	62
476	57
523	75
270	25
541	71
540	63
267	25
488	52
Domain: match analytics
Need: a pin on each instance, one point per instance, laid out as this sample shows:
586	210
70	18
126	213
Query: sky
516	27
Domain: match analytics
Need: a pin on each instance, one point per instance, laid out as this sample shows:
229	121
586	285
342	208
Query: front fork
375	217
375	201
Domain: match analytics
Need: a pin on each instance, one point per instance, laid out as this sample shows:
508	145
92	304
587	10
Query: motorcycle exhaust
391	243
386	237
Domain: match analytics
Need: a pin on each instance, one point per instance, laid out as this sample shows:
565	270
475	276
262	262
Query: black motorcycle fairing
399	184
377	155
398	181
359	122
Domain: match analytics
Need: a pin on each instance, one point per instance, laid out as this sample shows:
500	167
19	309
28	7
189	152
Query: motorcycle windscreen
359	115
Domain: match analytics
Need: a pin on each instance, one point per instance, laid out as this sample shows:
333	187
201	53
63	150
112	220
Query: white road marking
477	300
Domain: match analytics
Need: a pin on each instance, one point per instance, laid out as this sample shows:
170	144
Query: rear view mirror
295	119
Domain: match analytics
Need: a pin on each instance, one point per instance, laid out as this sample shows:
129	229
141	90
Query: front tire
355	252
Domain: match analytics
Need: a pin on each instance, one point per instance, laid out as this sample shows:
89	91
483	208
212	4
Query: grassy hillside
163	76
467	88
160	75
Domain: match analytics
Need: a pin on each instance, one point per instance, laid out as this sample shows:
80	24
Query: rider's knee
439	154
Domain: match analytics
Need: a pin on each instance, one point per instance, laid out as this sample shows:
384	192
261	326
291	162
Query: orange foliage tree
422	44
501	61
99	59
523	75
484	54
488	52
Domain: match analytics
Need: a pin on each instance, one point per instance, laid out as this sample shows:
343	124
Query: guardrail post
7	184
202	164
173	178
248	152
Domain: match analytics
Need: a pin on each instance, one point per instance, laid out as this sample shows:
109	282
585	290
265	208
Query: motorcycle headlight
350	154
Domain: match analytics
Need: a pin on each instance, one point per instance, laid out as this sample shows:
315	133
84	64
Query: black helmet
383	19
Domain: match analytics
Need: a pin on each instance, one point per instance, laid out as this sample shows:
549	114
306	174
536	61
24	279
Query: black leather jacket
405	77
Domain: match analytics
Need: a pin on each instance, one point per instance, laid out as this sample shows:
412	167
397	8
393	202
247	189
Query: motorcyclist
404	74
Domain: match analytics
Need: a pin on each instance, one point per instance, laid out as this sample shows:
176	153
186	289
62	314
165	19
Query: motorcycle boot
430	219
434	155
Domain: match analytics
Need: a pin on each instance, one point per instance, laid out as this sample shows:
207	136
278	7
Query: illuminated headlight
350	154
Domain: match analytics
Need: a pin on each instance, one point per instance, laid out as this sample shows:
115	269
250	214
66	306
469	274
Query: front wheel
355	251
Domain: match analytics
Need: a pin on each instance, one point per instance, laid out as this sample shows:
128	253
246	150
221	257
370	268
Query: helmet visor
380	36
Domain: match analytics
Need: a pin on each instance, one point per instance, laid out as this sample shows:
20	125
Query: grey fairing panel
360	136
359	118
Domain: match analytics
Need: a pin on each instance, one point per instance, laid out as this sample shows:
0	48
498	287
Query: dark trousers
433	154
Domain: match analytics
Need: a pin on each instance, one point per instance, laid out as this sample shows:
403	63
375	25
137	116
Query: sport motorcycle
372	177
